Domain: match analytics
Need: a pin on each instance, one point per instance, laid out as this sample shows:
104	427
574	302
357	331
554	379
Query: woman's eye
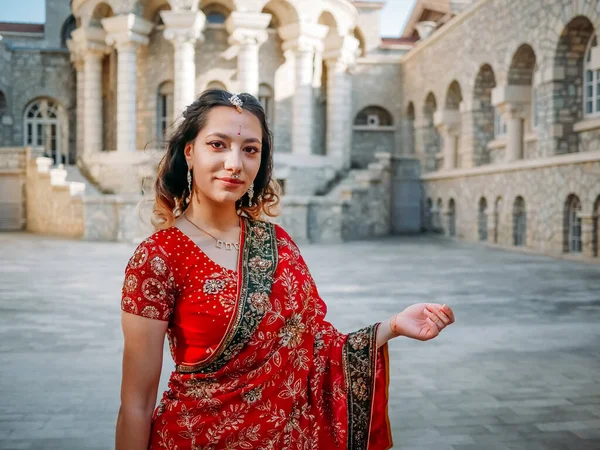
251	150
217	145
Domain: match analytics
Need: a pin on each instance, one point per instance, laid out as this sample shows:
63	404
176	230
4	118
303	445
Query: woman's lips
231	182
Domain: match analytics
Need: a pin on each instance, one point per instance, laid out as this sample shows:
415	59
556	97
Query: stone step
74	174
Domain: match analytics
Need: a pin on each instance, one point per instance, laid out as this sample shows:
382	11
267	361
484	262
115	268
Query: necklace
220	243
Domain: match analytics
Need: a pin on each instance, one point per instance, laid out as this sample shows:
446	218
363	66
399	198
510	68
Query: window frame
591	85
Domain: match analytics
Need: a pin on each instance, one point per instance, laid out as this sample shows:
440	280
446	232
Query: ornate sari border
257	270
359	359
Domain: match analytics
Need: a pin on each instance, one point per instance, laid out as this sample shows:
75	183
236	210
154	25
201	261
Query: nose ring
235	175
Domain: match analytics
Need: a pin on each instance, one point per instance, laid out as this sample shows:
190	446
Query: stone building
481	121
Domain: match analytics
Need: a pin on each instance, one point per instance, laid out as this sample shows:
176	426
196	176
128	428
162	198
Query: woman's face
225	156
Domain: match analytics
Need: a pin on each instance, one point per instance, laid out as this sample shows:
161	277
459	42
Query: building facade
482	121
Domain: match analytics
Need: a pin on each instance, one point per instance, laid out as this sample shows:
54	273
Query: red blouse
168	266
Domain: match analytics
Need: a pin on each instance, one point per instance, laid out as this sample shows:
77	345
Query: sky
394	16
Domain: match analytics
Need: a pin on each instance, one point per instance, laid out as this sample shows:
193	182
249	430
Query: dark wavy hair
171	185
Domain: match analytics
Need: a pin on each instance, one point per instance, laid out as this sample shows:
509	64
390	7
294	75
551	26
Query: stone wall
544	185
54	206
490	33
368	142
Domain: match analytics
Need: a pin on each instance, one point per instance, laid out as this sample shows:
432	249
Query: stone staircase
74	174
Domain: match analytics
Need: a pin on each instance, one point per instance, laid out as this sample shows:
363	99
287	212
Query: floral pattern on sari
283	377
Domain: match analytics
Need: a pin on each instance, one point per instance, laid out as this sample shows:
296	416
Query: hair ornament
236	101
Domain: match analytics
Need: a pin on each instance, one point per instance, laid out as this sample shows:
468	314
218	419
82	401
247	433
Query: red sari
256	364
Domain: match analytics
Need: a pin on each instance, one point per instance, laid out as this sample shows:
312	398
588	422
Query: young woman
256	363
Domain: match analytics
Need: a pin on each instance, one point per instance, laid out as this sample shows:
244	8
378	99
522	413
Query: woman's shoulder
160	243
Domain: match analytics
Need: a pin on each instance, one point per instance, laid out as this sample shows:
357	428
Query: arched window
427	219
592	78
437	217
3	104
483	219
44	128
519	222
451	218
573	225
216	14
497	216
216	85
265	97
67	28
596	228
164	109
374	116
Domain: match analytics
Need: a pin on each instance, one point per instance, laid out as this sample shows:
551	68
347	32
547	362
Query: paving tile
518	370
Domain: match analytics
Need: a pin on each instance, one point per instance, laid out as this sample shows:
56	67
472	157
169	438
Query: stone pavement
520	369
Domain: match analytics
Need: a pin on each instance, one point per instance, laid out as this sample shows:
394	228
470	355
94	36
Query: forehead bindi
227	121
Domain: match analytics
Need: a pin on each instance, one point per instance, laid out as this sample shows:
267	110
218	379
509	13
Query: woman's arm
422	321
142	363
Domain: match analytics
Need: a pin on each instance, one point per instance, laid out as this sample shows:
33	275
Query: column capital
303	37
183	26
513	110
247	28
447	120
127	30
88	40
340	50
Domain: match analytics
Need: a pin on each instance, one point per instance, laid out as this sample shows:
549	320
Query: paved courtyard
520	369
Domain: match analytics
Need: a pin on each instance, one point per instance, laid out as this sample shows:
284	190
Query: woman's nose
234	160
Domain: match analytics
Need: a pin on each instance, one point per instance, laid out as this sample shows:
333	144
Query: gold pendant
228	245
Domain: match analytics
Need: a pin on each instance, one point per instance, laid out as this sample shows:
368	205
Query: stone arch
569	92
572	242
410	129
519	222
374	116
3	104
498	206
92	11
430	137
67	28
483	219
216	84
483	114
428	214
164	109
451	218
342	12
285	12
360	37
437	215
449	124
596	228
373	132
266	98
453	96
216	11
153	9
102	10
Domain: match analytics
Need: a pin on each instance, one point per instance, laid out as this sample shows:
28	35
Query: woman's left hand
422	321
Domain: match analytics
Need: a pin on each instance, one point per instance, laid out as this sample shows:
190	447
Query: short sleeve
148	289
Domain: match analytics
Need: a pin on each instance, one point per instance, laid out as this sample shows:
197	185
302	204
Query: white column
303	40
514	115
339	59
248	31
183	30
92	115
126	32
513	103
79	67
78	60
448	124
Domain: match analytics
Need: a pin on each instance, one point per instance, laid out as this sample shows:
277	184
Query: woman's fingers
433	327
441	314
443	311
438	321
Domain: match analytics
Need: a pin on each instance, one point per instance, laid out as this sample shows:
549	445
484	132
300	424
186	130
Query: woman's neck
215	216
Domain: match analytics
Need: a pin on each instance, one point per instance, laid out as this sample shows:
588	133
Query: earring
189	181
250	194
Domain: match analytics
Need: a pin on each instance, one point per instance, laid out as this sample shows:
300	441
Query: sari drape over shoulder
256	363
